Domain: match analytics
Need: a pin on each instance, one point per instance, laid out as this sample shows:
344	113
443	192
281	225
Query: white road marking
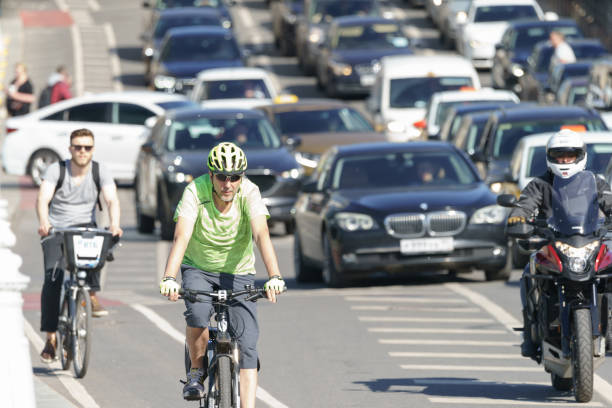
423	319
436	342
74	387
94	5
470	356
480	383
497	401
114	58
418	309
167	328
446	367
601	386
433	330
398	299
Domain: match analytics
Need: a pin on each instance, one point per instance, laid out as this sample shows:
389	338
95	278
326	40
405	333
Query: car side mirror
309	187
147	147
506	200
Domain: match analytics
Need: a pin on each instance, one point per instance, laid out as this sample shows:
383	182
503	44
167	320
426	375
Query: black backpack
44	98
95	170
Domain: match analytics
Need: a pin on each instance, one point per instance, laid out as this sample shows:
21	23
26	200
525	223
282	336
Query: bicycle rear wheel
81	336
224	382
64	341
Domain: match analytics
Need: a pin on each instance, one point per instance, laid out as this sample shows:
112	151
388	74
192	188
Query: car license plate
87	248
367	80
426	245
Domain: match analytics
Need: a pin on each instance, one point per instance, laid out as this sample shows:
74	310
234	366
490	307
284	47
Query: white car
404	85
441	103
529	157
35	140
485	25
240	87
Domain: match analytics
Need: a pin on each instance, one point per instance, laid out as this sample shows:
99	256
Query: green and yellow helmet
227	158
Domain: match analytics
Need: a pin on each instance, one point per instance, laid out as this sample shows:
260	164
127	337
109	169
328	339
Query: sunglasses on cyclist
223	178
82	147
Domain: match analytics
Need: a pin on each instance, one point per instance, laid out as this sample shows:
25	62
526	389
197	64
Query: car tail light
421	124
10	130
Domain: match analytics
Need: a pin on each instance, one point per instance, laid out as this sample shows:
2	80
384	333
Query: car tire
39	162
331	275
500	274
144	223
289	227
330	89
304	272
166	224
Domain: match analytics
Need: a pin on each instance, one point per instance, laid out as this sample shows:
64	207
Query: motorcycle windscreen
575	208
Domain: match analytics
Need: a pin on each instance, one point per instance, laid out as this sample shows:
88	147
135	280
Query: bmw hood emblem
423	206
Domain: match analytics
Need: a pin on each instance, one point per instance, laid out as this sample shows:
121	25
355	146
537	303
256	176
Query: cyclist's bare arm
182	235
261	236
45	195
109	193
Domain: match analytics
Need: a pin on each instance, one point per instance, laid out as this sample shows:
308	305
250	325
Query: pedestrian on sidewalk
20	93
60	81
70	201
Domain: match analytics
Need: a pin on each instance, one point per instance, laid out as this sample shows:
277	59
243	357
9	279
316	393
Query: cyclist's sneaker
96	308
48	353
194	388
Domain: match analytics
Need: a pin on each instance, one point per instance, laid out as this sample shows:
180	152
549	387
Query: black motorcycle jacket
535	200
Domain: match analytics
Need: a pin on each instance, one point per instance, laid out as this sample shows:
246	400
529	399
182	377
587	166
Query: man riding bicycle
67	198
219	216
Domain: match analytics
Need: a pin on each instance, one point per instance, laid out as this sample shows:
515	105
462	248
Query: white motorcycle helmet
562	142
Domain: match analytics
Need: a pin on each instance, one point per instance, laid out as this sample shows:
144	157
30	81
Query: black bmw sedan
397	208
176	153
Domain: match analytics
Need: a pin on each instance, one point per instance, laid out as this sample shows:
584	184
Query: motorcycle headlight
307	159
164	82
316	35
517	70
355	221
293	173
578	257
491	214
340	69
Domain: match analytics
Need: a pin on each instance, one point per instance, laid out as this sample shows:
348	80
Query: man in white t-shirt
563	52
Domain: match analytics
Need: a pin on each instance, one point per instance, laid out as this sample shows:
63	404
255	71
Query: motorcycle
569	268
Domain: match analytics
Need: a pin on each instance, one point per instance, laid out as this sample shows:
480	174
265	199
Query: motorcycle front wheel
582	355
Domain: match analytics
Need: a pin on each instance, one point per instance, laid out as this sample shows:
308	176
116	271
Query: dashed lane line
167	328
499	401
445	320
437	342
470	356
433	330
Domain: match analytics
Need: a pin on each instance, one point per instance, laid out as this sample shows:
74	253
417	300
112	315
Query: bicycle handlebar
224	295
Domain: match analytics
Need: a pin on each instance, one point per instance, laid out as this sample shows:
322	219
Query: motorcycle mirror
506	200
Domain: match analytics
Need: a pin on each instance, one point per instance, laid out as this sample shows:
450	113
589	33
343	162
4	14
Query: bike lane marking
495	402
74	387
601	386
167	328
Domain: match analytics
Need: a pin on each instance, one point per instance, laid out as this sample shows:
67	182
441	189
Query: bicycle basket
86	248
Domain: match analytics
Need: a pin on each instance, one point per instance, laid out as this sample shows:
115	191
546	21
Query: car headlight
164	82
491	214
316	35
355	221
226	24
180	177
293	173
340	69
496	187
375	67
476	43
396	126
148	52
517	70
578	257
307	159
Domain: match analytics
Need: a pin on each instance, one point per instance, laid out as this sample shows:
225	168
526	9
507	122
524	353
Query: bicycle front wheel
224	385
81	335
64	340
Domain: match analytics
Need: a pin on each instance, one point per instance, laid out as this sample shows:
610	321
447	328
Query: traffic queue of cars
409	185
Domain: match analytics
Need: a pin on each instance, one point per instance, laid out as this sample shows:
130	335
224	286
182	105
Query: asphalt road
423	341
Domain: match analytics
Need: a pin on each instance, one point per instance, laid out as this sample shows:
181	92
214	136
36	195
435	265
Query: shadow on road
129	53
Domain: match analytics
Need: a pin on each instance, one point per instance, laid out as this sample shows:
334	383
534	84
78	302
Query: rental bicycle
222	357
85	251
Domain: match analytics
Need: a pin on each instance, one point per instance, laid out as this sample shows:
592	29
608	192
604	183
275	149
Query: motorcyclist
566	156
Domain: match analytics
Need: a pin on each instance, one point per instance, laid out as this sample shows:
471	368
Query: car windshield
577	95
165	4
326	11
321	121
504	13
426	169
164	24
598	157
198	48
474	134
574	205
204	133
415	92
236	89
176	104
509	134
370	36
445	107
526	39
